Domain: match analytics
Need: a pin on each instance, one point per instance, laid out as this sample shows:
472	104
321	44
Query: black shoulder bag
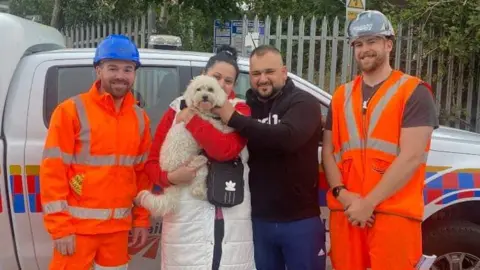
225	182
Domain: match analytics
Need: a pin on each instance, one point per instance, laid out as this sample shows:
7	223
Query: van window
243	84
155	87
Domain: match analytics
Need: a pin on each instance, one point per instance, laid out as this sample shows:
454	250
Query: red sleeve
152	166
219	146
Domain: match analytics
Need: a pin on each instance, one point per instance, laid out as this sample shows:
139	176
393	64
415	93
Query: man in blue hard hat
92	166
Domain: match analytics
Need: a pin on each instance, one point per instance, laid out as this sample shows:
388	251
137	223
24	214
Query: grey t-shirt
419	111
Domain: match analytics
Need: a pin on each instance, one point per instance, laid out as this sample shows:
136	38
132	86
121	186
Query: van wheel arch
453	239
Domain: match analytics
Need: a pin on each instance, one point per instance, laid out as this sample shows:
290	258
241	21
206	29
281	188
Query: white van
37	73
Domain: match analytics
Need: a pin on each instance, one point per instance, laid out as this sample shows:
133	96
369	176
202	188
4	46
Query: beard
117	88
267	90
370	61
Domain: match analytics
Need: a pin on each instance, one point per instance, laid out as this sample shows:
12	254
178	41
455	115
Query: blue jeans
296	245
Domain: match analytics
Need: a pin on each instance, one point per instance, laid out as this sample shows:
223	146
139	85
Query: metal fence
88	36
316	49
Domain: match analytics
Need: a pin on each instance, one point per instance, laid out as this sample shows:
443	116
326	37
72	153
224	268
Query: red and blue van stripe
33	187
16	184
455	185
452	186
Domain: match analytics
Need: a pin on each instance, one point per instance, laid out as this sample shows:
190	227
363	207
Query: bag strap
183	104
203	152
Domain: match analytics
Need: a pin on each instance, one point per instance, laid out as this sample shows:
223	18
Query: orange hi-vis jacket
92	166
366	141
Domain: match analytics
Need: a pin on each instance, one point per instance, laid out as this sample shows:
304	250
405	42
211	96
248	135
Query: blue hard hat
117	47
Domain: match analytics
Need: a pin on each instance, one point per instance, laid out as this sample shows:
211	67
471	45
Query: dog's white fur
179	146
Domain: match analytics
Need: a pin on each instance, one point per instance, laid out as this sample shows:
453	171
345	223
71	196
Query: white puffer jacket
188	235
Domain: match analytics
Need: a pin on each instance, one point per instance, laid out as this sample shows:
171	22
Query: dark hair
263	49
225	54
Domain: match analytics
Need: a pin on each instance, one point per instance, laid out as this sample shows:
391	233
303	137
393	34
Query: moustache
368	54
119	82
267	83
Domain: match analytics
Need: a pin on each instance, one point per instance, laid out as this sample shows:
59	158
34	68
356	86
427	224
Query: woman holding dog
208	237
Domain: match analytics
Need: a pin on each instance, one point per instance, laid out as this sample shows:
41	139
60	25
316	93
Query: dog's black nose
205	98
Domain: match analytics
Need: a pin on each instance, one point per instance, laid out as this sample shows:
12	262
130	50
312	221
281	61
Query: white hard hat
370	23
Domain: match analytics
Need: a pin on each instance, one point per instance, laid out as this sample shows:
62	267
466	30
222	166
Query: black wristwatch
336	190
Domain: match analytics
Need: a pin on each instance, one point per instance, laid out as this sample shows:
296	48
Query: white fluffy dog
203	93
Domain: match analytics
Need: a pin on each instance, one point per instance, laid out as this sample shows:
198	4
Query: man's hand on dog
225	112
185	173
185	116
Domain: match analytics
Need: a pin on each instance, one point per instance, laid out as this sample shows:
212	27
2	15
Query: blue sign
230	33
222	34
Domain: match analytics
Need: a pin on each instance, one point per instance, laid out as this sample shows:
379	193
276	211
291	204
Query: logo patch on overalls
76	183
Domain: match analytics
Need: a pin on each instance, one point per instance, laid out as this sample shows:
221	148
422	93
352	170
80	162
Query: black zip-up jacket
283	139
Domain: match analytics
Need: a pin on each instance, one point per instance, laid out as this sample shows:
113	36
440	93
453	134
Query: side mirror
139	99
320	155
324	120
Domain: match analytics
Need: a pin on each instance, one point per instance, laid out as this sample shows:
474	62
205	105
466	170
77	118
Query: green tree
60	13
456	23
25	8
193	20
305	8
296	8
176	17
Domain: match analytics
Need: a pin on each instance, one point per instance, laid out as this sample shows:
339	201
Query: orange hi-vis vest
366	139
92	167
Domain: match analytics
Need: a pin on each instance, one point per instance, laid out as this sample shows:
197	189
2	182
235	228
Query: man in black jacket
283	138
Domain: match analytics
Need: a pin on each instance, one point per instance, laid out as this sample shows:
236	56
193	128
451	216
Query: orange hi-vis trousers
101	251
392	243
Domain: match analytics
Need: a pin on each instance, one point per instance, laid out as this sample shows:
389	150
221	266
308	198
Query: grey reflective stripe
121	267
141	120
85	213
384	100
354	142
119	213
55	152
141	158
98	213
84	156
352	125
55	207
388	147
384	146
132	160
337	156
